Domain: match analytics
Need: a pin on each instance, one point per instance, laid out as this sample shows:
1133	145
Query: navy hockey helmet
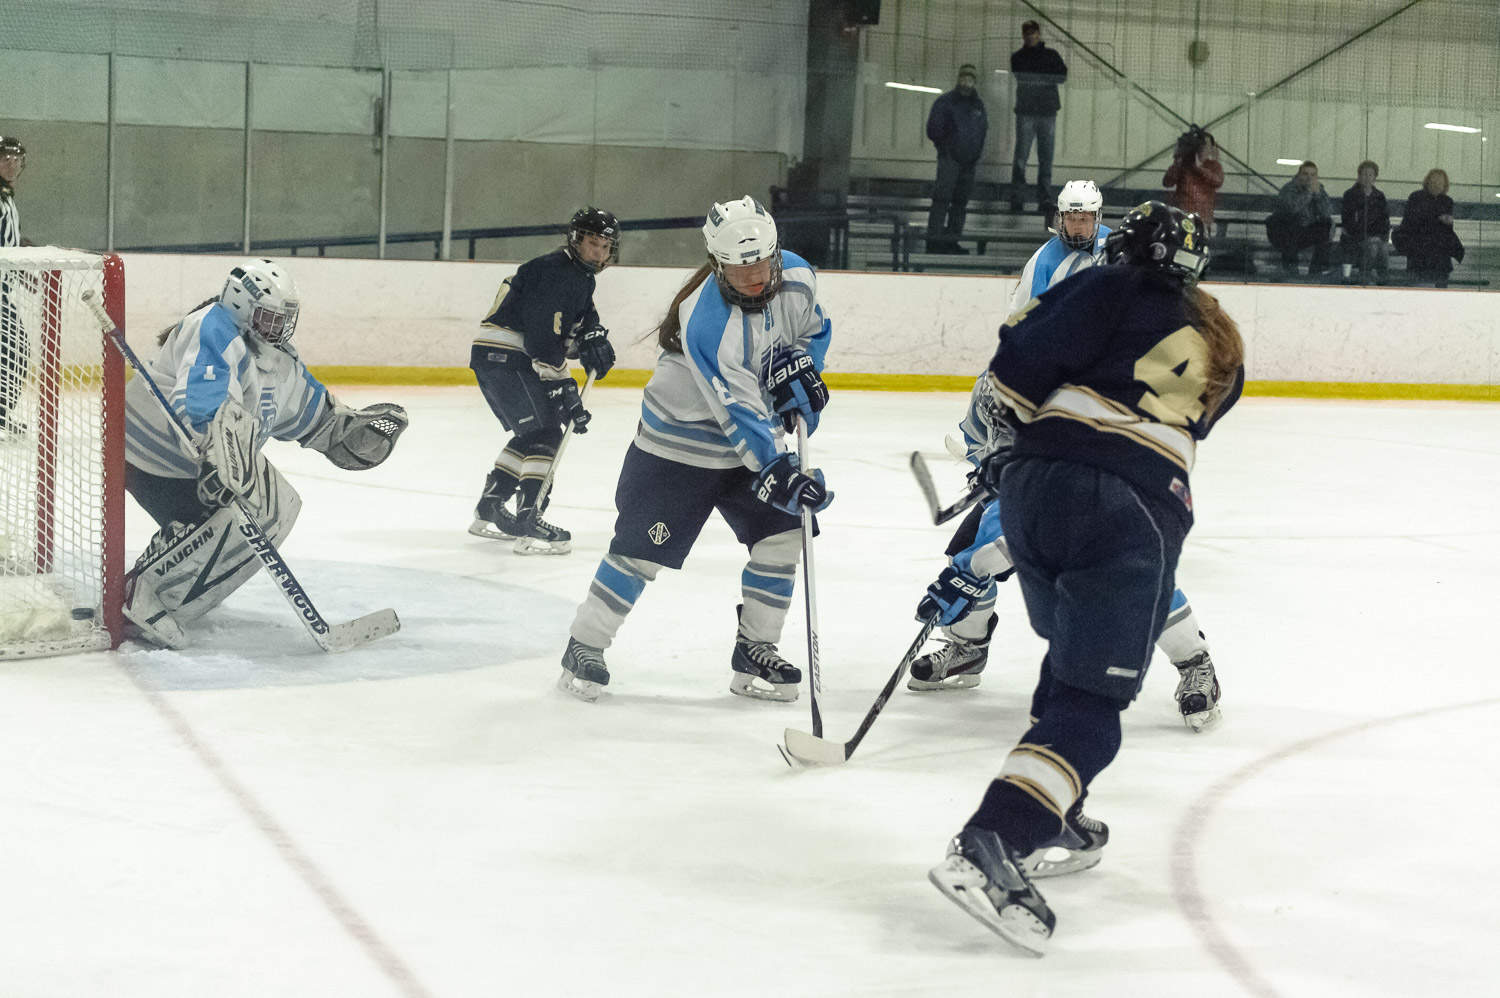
1162	238
597	222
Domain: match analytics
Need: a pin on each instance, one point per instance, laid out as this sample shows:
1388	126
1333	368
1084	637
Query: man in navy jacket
956	125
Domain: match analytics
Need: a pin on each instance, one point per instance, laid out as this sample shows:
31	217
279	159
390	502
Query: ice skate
1079	846
1198	692
535	535
983	877
760	672
584	673
493	520
955	666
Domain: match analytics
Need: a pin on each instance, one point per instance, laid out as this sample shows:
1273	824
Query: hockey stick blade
812	750
337	637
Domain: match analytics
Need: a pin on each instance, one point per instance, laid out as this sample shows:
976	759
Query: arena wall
412	322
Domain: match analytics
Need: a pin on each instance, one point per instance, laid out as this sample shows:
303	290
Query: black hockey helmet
11	146
598	222
1159	237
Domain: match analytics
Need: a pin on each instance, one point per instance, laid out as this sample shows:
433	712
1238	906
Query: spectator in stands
1038	71
13	349
1426	235
1367	223
957	125
1302	218
1196	175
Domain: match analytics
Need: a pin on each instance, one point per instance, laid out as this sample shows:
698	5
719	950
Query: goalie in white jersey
742	349
234	380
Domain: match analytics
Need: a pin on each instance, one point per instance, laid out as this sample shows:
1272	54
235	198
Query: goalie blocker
202	554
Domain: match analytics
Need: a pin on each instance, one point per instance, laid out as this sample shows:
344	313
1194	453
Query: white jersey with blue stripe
707	406
205	360
1051	264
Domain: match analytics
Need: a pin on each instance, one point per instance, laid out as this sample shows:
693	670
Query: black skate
1079	846
493	520
983	877
583	671
535	535
1198	692
760	672
955	666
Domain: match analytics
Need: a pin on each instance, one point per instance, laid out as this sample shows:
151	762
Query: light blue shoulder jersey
205	360
707	406
1050	265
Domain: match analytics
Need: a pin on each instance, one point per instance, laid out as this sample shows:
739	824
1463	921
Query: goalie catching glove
357	439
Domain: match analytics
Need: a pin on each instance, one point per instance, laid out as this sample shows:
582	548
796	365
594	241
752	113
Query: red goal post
62	453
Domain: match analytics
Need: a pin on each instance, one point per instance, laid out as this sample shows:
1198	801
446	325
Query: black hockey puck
83	613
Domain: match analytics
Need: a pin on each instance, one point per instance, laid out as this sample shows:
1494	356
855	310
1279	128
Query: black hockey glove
952	596
783	485
567	406
796	388
595	352
987	475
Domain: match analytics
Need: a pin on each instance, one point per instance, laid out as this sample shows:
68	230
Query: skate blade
535	545
1039	864
584	690
745	685
963	883
1203	720
484	528
960	682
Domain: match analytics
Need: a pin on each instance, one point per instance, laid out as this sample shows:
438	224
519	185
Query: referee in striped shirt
13	352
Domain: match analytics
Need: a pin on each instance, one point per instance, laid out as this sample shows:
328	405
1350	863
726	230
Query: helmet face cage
263	301
274	325
1162	238
594	221
1079	196
739	233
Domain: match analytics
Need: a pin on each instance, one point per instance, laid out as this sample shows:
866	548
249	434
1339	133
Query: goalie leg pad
187	570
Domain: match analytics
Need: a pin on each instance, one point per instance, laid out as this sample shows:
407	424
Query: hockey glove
784	486
796	388
227	467
357	439
567	406
952	596
595	352
987	475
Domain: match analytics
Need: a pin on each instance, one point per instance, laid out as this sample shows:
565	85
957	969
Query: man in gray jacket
1303	217
956	125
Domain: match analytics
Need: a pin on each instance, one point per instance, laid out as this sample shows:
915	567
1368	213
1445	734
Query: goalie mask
593	222
1081	200
263	299
744	252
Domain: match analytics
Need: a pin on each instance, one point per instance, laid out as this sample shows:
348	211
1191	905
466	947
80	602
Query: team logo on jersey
658	533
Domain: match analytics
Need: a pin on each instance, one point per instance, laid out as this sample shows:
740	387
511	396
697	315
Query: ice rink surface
429	816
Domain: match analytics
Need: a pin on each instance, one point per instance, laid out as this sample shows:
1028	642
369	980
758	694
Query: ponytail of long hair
161	337
669	330
1226	350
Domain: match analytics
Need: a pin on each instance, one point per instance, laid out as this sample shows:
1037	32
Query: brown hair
1437	172
1371	164
161	337
1226	350
669	330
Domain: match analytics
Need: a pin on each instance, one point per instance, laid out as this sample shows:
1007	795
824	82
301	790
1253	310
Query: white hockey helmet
738	234
1079	196
263	299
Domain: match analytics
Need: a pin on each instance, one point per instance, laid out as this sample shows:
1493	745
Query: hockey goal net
62	453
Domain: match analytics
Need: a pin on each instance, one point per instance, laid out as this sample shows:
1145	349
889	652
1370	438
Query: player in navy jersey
1110	380
542	315
742	350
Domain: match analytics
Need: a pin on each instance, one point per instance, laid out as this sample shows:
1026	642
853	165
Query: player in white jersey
234	380
958	663
742	350
1078	243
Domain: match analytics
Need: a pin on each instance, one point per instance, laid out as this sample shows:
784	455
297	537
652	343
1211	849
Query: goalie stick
801	748
941	514
330	637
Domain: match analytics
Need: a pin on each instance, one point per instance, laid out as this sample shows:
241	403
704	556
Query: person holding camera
1195	175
